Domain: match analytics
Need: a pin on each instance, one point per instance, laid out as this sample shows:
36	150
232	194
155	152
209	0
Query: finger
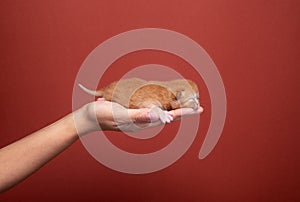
149	125
101	99
144	115
138	119
178	113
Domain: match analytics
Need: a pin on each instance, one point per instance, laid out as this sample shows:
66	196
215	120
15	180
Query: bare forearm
22	158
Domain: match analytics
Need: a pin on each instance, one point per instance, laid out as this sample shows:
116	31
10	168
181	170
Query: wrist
85	120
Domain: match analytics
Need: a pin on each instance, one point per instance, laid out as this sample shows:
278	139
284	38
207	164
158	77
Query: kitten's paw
169	116
164	116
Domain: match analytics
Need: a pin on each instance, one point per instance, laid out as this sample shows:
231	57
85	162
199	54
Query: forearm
22	158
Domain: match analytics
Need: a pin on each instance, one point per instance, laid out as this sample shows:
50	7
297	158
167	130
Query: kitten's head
187	95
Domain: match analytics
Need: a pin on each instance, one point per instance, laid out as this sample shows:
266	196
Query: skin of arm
23	157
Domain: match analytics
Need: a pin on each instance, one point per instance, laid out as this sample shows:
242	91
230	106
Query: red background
255	45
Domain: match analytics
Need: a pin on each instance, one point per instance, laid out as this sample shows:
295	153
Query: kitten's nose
196	106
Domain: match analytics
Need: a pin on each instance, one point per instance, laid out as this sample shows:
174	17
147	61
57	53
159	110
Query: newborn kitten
161	96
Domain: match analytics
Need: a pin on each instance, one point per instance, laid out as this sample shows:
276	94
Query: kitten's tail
91	92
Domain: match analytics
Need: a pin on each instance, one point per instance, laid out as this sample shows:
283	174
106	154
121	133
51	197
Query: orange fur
138	93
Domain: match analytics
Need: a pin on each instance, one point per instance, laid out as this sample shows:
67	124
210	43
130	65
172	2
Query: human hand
113	116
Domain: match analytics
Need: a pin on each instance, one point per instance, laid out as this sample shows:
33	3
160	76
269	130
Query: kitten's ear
179	94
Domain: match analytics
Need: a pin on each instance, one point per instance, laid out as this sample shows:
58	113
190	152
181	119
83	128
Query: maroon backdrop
255	45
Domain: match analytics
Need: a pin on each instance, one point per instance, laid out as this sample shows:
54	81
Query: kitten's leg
155	106
164	116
